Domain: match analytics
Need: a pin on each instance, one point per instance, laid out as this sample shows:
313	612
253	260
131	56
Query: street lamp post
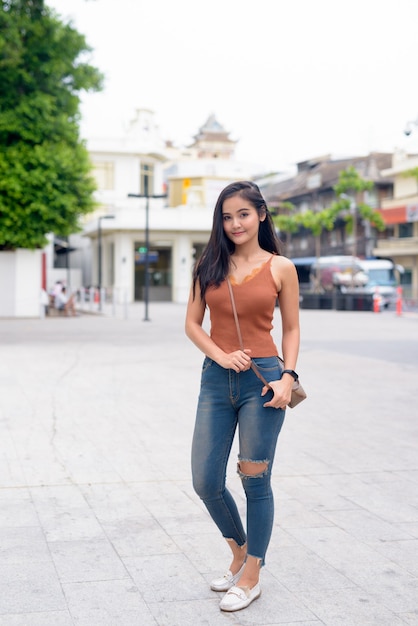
99	255
147	196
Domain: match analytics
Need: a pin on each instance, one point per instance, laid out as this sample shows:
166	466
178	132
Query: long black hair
213	266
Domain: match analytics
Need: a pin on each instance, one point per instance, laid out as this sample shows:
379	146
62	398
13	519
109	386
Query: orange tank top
255	299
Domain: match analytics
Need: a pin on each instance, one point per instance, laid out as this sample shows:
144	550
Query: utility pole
147	197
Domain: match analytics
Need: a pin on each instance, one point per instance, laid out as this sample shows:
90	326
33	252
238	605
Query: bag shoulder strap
234	310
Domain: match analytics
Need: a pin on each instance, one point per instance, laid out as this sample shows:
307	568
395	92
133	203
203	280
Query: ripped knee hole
252	469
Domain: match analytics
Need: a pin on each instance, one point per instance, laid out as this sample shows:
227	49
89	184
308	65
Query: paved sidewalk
99	525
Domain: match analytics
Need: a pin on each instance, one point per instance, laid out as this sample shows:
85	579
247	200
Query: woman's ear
262	215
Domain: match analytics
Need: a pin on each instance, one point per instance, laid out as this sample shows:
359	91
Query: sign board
141	257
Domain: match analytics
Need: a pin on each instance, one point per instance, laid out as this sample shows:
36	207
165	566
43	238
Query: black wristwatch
292	373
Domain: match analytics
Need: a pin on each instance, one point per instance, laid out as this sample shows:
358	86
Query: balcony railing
402	244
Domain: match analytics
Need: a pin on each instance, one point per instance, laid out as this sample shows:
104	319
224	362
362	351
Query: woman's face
240	220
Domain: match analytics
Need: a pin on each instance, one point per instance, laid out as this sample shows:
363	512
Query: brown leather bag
298	392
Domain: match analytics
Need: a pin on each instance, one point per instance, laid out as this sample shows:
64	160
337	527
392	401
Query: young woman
244	247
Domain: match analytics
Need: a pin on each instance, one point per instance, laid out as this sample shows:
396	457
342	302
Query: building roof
322	173
212	130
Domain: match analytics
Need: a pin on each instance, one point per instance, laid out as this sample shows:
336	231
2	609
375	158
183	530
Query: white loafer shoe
227	581
239	598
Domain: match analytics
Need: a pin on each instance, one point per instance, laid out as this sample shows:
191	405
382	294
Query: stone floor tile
140	536
299	569
317	497
411	528
16	508
410	618
164	498
192	613
23	545
403	553
208	552
107	603
30	587
194	524
348	607
276	604
111	502
64	513
395	590
88	560
42	618
297	515
166	578
365	526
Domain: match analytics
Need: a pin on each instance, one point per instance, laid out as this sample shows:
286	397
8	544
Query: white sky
290	79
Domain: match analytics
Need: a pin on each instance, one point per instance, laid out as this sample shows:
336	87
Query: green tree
314	221
45	181
317	222
350	185
289	222
413	173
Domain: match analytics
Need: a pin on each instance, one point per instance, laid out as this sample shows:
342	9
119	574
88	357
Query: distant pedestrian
243	246
65	303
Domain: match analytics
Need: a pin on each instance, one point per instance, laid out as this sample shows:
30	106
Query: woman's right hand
239	361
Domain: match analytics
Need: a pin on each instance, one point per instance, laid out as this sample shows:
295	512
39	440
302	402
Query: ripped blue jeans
229	400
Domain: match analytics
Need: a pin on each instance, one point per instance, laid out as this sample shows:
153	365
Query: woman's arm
238	360
289	310
286	278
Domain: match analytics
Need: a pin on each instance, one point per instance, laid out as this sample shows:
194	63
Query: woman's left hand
282	391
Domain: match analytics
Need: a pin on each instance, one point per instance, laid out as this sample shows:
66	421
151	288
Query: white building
139	162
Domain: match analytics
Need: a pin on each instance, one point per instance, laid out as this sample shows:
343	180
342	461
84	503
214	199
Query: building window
104	175
147	179
406	230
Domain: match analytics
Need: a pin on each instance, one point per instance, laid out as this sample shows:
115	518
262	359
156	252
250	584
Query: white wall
20	283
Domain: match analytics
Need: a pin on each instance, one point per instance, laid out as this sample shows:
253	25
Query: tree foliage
413	173
349	180
45	182
287	222
317	221
350	183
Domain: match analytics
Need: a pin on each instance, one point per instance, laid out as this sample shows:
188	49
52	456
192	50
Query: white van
382	278
352	275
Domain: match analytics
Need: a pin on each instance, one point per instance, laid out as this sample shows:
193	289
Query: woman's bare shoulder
280	262
283	271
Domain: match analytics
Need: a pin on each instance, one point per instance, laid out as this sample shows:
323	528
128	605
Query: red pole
43	270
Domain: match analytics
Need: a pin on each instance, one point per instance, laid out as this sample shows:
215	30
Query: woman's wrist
291	373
